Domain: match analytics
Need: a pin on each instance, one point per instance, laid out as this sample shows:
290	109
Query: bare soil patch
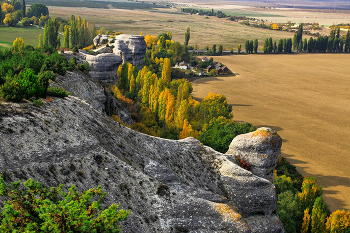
306	98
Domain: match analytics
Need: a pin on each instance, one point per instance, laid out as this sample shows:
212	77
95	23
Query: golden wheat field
306	98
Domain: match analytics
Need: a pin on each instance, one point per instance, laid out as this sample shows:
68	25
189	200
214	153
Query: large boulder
104	66
131	48
260	149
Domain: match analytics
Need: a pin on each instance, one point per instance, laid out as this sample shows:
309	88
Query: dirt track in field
306	98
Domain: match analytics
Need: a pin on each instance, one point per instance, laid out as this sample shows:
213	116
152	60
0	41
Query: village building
182	65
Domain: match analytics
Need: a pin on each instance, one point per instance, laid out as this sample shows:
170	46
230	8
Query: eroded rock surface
169	186
260	149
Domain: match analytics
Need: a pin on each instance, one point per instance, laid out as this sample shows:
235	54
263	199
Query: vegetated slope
169	186
306	99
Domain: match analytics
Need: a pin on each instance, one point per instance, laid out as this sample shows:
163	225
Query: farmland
306	98
204	31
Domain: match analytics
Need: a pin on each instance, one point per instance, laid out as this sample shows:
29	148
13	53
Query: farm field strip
306	98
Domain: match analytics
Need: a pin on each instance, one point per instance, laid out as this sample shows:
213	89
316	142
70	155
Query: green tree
41	44
220	49
305	45
213	50
310	45
318	216
187	36
24	8
220	132
266	46
256	45
347	42
309	192
37	9
32	208
295	43
239	49
246	46
270	47
123	79
280	46
66	37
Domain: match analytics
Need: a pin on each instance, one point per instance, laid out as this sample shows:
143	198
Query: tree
166	71
187	36
306	221
213	50
220	132
270	47
7	8
318	216
246	46
309	192
220	49
123	79
338	221
186	130
41	43
266	46
23	8
347	42
10	20
239	49
18	45
32	208
280	46
66	37
305	45
37	9
256	44
295	42
0	15
310	45
25	21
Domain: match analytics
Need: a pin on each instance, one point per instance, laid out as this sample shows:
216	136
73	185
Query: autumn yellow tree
132	84
182	114
150	40
306	221
309	192
166	71
7	8
170	109
18	45
186	130
338	221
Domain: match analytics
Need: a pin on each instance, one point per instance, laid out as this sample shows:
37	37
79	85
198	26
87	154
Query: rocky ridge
169	186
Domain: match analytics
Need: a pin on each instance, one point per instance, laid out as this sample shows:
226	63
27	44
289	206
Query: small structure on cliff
126	48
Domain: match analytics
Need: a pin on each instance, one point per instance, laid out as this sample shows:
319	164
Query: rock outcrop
169	186
104	66
260	149
131	48
126	48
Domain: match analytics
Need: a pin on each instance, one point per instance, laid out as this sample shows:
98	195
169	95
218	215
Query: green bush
32	208
57	92
38	102
221	131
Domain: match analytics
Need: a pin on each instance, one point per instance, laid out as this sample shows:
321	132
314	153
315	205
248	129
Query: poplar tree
347	42
66	37
187	36
23	8
166	71
46	36
123	79
256	44
306	221
41	44
0	15
319	216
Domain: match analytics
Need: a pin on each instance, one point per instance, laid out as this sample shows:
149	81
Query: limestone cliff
169	186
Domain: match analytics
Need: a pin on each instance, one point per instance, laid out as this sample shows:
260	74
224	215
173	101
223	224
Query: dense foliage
32	208
220	132
25	72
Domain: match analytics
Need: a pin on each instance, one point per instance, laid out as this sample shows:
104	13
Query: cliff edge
169	186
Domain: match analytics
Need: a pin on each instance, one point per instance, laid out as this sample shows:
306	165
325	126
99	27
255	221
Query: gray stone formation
127	48
104	66
168	185
260	149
